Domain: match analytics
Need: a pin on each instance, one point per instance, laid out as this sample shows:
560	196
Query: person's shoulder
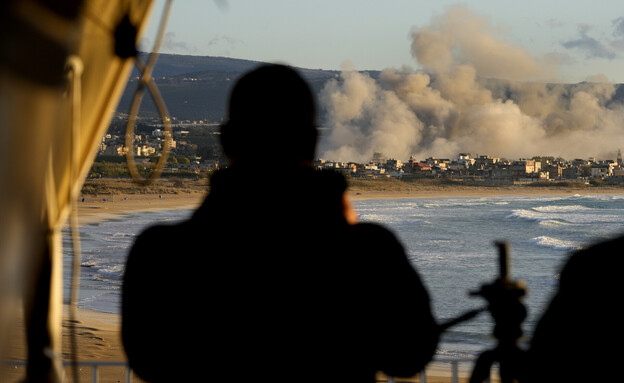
600	262
606	250
160	236
371	228
161	230
373	236
606	246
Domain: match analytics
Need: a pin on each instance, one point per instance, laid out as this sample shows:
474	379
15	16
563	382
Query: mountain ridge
197	87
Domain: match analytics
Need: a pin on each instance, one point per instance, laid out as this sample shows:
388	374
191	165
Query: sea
451	242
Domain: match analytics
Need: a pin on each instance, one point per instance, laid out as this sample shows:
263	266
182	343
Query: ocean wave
109	282
554	222
112	269
108	302
124	234
459	203
604	197
566	208
530	215
89	263
583	216
432	205
378	218
555	243
455	354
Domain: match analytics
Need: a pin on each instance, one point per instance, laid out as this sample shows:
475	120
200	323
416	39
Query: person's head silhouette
271	112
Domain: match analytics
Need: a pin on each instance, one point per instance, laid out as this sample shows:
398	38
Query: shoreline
98	208
106	206
395	191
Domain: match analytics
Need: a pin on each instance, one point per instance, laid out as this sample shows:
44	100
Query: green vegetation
597	182
106	169
117	186
115	166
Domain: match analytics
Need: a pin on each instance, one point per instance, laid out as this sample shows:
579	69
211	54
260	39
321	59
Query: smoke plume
476	94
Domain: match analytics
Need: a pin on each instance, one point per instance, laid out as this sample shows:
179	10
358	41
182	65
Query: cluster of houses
144	146
466	167
484	168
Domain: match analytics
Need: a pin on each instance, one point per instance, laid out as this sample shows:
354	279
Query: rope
148	81
75	68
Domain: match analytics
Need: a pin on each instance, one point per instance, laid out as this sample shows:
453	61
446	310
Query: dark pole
504	299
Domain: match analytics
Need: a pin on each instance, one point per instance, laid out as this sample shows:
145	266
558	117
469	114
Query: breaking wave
532	215
568	208
555	243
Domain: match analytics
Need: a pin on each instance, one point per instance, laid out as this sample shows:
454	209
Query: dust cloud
475	93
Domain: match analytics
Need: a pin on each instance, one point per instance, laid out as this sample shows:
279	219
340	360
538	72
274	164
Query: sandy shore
98	334
391	191
97	337
102	207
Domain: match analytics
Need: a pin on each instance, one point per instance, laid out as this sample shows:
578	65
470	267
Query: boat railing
452	371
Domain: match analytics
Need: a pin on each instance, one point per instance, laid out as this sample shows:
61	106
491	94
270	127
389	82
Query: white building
601	171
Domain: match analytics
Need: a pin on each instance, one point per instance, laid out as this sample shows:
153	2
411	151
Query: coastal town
485	169
195	149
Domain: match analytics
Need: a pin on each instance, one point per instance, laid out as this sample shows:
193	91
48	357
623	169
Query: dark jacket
579	337
268	282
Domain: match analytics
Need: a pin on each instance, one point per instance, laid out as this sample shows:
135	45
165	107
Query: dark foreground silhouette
580	336
268	280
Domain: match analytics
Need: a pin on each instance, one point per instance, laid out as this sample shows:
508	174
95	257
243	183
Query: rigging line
159	38
147	80
75	68
162	108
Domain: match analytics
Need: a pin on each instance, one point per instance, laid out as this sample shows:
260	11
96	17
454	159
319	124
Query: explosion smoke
476	94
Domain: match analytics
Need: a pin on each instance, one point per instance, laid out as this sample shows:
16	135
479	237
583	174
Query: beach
124	199
98	334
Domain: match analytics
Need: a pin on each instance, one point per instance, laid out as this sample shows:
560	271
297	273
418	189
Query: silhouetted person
268	280
579	337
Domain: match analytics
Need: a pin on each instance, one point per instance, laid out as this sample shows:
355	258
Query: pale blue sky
585	37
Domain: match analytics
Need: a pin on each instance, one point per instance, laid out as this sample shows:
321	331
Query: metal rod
503	260
454	371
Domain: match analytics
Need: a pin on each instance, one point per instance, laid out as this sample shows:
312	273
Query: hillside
197	87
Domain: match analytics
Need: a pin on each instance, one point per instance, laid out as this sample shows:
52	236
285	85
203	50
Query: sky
579	39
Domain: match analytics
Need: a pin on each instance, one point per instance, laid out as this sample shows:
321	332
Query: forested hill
197	87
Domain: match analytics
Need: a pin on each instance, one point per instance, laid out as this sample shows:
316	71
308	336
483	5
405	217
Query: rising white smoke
475	94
